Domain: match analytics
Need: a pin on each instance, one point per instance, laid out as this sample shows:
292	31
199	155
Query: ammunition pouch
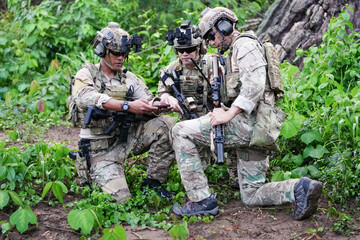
267	127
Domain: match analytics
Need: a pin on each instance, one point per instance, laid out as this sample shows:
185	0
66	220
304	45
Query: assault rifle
219	134
169	81
125	119
215	90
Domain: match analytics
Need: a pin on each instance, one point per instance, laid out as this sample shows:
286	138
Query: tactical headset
224	26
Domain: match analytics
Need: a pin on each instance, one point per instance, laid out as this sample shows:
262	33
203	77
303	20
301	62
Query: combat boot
207	206
156	185
307	193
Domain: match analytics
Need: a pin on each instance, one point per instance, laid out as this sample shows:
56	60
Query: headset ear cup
100	50
225	26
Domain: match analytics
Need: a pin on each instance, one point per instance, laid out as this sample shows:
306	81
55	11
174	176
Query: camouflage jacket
192	84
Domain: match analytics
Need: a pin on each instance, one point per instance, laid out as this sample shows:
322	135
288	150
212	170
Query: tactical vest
77	114
195	85
273	79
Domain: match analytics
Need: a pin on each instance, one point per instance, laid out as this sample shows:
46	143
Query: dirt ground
235	221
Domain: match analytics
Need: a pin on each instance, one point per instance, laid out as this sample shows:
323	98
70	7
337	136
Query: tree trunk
292	24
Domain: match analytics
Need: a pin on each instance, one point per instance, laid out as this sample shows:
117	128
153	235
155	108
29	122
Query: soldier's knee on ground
118	189
110	177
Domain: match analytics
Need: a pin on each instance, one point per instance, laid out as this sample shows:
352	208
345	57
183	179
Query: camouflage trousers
153	136
188	135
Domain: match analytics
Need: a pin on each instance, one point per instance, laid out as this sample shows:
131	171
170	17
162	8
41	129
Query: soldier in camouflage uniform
190	81
246	88
108	86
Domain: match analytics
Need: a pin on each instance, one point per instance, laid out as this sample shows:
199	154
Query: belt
252	155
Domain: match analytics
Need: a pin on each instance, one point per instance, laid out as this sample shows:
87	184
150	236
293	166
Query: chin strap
223	43
109	64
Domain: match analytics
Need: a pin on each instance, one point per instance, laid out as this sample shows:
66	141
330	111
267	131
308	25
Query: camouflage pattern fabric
188	135
106	166
107	158
190	81
247	60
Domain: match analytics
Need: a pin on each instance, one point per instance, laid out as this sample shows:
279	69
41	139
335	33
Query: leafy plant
83	219
321	133
179	231
22	217
58	189
118	232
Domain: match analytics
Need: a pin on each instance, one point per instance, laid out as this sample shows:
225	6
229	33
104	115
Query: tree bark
292	24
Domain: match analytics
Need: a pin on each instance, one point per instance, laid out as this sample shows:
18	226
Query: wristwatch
125	106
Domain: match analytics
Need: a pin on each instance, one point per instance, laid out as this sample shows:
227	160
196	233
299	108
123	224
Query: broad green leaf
291	126
13	135
297	159
16	199
299	172
277	176
2	41
46	189
4	199
22	217
287	175
307	151
318	152
115	233
21	87
2	144
81	219
309	137
5	227
313	170
29	27
179	231
31	40
64	188
3	172
58	192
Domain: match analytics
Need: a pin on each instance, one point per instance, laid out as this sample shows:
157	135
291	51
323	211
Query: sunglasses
187	50
210	35
118	54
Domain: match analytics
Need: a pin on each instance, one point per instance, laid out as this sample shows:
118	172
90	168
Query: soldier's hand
218	116
161	109
141	106
174	104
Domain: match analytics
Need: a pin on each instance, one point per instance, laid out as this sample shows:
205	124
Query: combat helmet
116	40
212	18
187	36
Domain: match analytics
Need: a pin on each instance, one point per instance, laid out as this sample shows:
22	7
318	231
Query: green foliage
22	217
81	219
58	189
118	232
179	231
45	44
321	134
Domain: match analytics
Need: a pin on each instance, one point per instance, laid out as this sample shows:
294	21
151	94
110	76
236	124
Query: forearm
113	104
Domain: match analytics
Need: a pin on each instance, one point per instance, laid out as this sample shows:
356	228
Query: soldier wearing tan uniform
108	86
248	99
191	82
